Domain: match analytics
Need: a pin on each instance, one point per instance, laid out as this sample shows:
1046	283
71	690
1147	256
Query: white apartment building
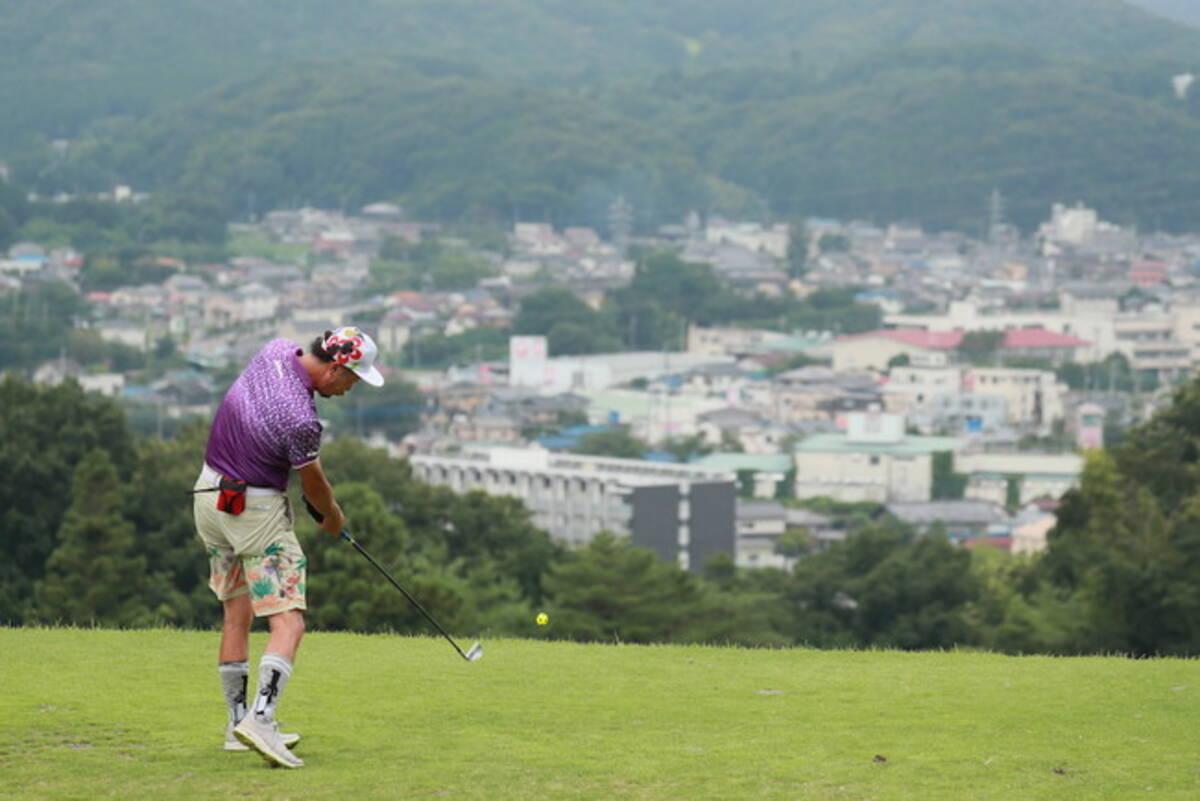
751	236
723	341
1038	475
1029	397
1152	345
911	389
682	512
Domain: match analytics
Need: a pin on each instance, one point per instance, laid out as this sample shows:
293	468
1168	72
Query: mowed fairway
131	715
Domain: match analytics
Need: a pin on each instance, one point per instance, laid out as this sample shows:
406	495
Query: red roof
1040	338
1003	543
917	338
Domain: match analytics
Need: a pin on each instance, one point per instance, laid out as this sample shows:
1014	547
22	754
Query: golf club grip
312	510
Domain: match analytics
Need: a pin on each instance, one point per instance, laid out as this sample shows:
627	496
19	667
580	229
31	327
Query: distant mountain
64	63
549	109
1185	11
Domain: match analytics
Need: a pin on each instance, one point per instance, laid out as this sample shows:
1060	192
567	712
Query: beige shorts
255	552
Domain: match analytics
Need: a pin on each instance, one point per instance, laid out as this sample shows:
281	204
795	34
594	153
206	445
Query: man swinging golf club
266	426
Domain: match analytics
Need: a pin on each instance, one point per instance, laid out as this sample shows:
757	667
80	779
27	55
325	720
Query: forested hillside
548	109
1182	10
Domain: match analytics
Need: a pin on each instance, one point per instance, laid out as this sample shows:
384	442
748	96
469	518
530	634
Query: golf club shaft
346	536
316	515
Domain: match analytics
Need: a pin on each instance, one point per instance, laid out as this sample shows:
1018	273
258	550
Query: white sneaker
264	737
233	744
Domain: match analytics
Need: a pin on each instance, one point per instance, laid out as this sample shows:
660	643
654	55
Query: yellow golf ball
543	619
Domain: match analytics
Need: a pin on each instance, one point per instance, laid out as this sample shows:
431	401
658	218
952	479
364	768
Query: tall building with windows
684	513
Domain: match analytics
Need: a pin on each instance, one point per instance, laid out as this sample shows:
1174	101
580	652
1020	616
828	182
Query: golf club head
475	653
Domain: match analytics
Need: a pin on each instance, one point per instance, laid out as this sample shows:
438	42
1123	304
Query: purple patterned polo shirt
267	423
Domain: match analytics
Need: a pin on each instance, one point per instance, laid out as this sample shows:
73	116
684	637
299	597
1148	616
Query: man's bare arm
317	489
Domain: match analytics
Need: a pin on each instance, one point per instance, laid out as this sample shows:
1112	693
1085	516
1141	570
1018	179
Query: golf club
472	654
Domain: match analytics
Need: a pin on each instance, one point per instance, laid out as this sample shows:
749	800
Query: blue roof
557	443
583	430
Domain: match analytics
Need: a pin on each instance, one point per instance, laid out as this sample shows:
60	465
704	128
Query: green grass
257	245
100	714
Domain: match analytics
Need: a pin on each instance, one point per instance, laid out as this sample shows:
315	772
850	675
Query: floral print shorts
275	578
255	552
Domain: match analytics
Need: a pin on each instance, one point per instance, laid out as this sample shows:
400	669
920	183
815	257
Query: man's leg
287	627
276	577
233	662
260	730
235	633
275	667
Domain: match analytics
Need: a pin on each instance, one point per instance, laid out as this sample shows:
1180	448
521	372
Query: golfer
266	426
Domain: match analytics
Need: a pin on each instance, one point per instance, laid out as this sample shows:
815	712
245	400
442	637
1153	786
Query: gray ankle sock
274	671
234	676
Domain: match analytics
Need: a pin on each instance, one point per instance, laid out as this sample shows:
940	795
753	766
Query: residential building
763	472
875	460
874	350
820	393
1032	398
1030	528
959	519
1017	479
751	236
718	341
760	524
1089	426
683	513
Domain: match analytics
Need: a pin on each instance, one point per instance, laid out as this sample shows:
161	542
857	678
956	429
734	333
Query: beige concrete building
1037	475
1032	397
874	349
873	461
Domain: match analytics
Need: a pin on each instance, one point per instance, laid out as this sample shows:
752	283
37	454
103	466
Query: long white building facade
684	513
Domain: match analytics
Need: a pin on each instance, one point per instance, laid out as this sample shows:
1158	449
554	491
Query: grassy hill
102	714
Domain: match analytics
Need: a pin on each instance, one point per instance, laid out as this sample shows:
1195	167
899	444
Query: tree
685	449
393	410
571	325
833	243
613	591
47	433
8	229
618	442
181	218
165	528
946	484
570	339
92	576
1133	562
483	532
979	347
797	249
37	322
882	587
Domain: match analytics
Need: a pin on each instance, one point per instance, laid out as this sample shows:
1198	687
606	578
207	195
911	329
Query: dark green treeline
95	528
